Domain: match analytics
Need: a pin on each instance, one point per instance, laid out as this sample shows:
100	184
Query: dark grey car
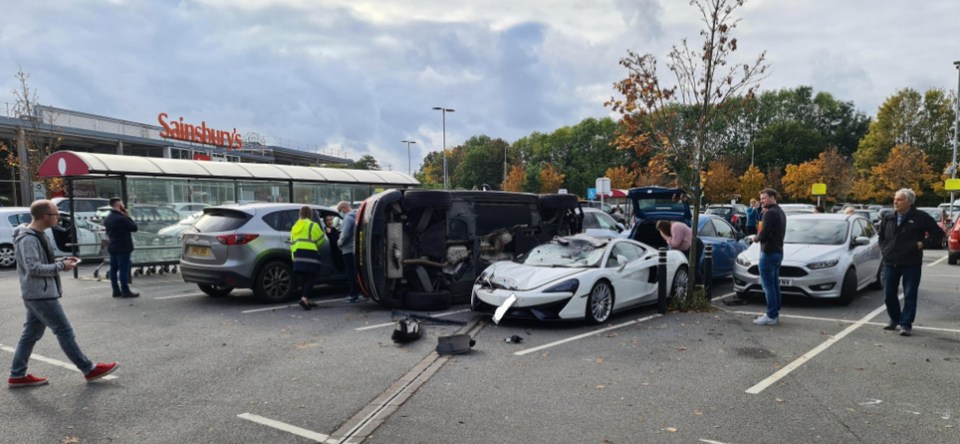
248	246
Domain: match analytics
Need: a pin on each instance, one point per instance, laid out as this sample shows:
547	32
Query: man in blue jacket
119	225
901	242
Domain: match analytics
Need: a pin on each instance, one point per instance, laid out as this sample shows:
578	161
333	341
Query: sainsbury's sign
186	132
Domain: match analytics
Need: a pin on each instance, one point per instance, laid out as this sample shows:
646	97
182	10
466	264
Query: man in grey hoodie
345	242
41	290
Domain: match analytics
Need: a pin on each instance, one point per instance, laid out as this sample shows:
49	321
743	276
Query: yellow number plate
199	251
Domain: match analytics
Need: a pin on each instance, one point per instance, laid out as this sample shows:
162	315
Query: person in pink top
677	234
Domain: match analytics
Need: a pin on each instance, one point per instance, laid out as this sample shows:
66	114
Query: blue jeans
40	315
911	285
120	263
350	268
770	281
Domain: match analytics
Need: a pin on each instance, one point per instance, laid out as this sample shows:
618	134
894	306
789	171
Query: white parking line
280	307
58	363
319	437
585	335
188	295
842	321
724	296
390	324
770	380
937	261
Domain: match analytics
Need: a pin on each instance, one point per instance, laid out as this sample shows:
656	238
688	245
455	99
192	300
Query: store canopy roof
70	164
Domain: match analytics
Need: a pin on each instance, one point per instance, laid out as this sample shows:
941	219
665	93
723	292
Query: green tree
365	162
679	119
481	163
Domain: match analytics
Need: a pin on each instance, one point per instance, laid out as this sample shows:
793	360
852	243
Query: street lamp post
443	112
956	122
409	162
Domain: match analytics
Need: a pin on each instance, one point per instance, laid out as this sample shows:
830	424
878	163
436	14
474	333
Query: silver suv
248	246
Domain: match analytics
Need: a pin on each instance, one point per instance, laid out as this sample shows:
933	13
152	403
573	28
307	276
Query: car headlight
742	260
568	286
823	264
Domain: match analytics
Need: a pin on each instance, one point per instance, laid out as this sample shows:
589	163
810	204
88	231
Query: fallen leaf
671	429
70	440
601	387
599	360
681	349
613	335
779	400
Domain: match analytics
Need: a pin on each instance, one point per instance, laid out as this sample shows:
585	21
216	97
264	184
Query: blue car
652	204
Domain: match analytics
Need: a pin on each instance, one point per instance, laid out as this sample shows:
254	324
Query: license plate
786	282
199	251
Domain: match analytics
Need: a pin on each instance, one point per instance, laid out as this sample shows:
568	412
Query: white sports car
577	277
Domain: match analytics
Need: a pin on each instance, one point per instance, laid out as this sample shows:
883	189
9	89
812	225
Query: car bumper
214	276
819	284
530	304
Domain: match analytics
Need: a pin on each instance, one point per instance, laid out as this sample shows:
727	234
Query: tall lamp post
956	122
443	112
409	162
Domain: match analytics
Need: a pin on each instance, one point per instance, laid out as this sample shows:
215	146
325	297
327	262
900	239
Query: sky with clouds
358	76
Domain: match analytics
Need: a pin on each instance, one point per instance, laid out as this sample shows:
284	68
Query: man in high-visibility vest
306	237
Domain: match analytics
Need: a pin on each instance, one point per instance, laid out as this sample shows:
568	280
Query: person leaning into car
677	234
306	237
901	242
774	223
119	227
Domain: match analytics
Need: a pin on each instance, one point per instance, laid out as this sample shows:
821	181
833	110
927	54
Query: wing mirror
861	240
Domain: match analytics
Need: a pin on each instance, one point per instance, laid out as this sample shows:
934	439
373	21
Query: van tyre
558	202
274	283
216	291
427	199
417	300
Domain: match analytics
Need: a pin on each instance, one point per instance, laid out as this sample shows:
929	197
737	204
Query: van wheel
7	259
427	199
216	291
274	283
558	202
416	300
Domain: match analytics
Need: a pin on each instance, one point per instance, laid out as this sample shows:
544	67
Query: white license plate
786	282
198	251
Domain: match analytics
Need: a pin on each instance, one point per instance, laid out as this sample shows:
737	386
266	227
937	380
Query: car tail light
735	218
236	239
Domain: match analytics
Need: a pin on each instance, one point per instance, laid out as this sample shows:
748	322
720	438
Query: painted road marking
319	437
280	307
843	321
188	295
585	335
762	385
391	324
56	362
724	296
937	261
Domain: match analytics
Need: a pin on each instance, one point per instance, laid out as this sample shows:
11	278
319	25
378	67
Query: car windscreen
650	205
219	220
718	210
565	253
816	232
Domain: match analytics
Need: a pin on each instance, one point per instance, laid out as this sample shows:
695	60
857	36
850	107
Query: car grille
784	271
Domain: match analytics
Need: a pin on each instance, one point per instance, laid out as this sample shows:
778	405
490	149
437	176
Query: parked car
937	239
577	277
595	221
735	214
149	218
423	249
89	236
248	246
953	245
185	209
652	204
829	256
85	207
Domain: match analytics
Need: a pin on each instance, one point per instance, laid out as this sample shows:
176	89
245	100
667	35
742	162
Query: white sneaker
764	320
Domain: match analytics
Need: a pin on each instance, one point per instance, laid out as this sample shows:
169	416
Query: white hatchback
90	235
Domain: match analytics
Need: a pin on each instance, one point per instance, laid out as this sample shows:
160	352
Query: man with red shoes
40	288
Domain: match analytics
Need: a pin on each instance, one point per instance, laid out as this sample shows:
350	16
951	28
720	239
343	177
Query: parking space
203	369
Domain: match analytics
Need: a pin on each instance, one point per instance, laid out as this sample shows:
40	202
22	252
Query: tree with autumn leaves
829	168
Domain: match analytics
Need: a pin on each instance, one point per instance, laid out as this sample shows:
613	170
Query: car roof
254	208
826	216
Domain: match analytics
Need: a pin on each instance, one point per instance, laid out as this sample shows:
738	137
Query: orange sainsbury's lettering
180	130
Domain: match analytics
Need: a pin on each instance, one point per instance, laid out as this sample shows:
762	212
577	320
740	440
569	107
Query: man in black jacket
774	228
119	225
901	241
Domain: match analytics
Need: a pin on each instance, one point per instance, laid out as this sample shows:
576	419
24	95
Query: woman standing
753	217
306	237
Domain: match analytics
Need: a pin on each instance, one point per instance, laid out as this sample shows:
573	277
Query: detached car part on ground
423	249
577	277
829	256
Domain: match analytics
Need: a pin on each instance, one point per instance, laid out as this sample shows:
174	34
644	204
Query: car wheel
849	288
952	258
878	284
416	300
7	259
427	199
600	303
274	283
216	291
678	289
558	202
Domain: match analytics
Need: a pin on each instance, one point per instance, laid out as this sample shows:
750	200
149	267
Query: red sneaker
101	370
26	381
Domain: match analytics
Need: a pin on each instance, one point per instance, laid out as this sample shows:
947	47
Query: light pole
409	163
443	112
956	121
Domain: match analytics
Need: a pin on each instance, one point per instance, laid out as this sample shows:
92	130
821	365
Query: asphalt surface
202	369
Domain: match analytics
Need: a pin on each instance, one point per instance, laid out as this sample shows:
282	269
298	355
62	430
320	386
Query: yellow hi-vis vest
306	235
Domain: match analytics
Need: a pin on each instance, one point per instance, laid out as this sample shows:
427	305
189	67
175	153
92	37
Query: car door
332	263
725	249
631	285
866	258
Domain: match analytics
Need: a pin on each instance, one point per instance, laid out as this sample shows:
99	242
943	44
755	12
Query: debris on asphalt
515	339
408	330
454	344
